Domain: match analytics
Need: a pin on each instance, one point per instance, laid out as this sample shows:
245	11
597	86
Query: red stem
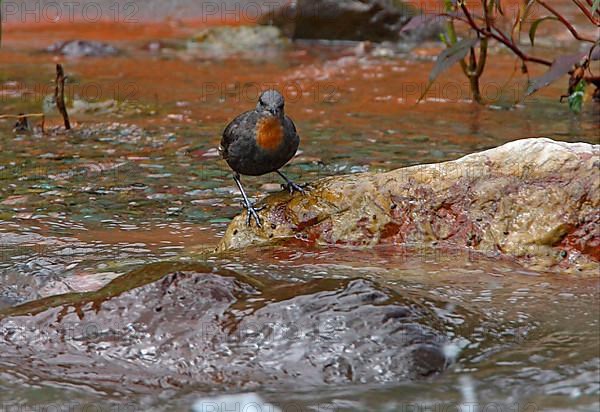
502	39
565	22
585	11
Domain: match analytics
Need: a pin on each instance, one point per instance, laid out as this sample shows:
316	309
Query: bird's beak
275	111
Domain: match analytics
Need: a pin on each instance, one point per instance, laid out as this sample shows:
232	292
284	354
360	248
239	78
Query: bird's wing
234	130
291	123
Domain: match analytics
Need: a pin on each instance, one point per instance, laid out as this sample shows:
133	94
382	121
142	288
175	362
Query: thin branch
585	11
564	21
503	39
469	18
483	46
519	53
59	95
504	36
482	56
472	62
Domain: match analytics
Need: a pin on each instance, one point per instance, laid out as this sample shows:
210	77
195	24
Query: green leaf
534	27
527	10
595	6
447	59
576	99
0	23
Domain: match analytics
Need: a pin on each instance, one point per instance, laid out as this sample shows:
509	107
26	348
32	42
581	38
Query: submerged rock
534	199
373	20
168	326
83	48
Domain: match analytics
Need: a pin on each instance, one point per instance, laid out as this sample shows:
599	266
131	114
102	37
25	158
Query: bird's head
271	103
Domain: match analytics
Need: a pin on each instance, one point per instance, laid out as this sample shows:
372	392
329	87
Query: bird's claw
293	187
252	212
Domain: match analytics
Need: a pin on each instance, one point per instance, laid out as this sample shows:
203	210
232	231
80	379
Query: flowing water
138	181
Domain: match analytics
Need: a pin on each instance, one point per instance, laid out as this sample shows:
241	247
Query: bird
258	142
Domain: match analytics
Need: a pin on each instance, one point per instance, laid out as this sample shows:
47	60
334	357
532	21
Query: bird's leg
289	185
252	211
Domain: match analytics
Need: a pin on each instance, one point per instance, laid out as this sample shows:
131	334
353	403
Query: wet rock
83	48
173	325
242	40
534	199
374	20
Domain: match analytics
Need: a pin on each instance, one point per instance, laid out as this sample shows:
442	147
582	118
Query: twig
483	46
503	39
59	95
482	56
519	53
585	11
469	18
564	21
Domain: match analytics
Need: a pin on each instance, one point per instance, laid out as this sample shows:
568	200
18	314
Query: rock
119	108
533	199
374	20
94	107
243	40
83	48
172	325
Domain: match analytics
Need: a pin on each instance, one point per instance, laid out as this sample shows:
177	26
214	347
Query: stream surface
136	195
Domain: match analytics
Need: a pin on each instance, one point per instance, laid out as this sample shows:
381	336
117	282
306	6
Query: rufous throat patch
269	133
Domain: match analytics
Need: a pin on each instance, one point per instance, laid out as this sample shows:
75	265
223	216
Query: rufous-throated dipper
260	141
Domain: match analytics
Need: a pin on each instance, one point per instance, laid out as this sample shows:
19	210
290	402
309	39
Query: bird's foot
252	212
293	187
